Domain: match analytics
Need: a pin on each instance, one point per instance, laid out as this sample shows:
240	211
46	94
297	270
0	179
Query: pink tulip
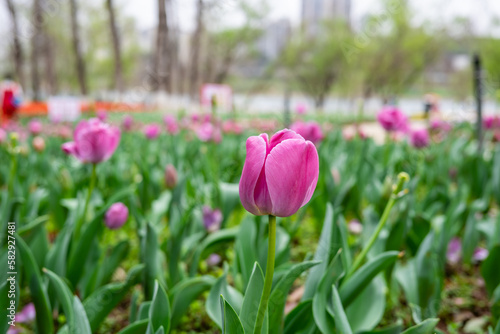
280	175
102	115
127	123
38	144
170	176
152	131
171	124
3	136
392	119
35	127
27	314
419	138
309	130
94	141
453	254
116	216
301	109
231	126
491	122
480	254
440	126
208	132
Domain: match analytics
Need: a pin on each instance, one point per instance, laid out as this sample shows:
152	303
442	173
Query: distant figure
10	99
430	104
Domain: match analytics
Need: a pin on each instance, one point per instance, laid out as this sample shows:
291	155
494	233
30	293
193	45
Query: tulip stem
81	221
396	193
268	281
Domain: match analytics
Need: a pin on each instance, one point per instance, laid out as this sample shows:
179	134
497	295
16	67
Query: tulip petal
292	170
69	148
282	135
257	147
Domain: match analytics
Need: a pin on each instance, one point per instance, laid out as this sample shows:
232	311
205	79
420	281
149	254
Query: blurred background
328	55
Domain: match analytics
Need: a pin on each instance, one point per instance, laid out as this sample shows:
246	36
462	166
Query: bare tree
159	69
36	48
49	57
196	51
17	51
80	64
116	46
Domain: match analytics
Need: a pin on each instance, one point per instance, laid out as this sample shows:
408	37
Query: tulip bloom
171	124
301	109
127	123
38	144
116	216
170	176
309	130
208	132
419	138
392	119
152	131
94	141
102	115
279	175
35	127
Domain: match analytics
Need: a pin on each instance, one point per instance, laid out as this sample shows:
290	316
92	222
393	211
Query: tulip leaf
185	292
489	270
425	327
280	293
230	197
38	291
159	312
231	324
341	322
323	320
300	319
221	287
102	301
138	327
246	248
352	288
250	306
212	240
393	329
111	263
160	206
328	246
77	321
144	310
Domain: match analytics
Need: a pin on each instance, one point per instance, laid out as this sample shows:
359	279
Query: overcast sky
479	11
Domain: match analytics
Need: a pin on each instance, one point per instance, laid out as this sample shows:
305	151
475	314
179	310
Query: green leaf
327	248
102	301
38	291
160	206
246	249
251	301
231	324
185	292
219	237
111	263
425	327
341	322
299	319
151	259
138	327
351	288
280	293
221	287
159	312
319	305
489	270
73	309
393	329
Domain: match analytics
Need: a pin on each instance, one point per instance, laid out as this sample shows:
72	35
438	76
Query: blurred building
274	39
315	11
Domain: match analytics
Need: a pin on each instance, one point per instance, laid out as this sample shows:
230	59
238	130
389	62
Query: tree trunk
17	51
195	51
116	47
161	75
80	64
35	49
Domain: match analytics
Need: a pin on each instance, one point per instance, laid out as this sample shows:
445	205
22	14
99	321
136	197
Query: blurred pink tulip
27	314
94	141
152	131
116	216
491	122
170	176
301	109
38	144
231	126
309	130
392	119
208	132
280	175
212	219
35	127
453	254
127	123
438	125
419	138
102	115
480	254
171	124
